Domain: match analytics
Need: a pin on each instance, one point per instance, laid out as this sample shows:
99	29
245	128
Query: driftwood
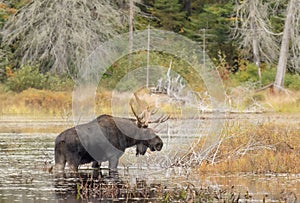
265	87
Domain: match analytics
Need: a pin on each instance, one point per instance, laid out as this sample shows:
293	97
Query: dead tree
61	34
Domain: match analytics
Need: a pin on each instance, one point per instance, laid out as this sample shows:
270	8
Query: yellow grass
284	102
35	102
59	103
268	147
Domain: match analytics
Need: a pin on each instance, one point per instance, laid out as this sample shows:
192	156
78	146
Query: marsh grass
35	102
141	191
33	129
248	99
92	187
286	102
259	148
41	103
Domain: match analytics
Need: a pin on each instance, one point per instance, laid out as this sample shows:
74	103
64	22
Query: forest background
253	44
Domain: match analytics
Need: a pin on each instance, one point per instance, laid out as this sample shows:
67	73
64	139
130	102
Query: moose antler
143	119
138	119
161	119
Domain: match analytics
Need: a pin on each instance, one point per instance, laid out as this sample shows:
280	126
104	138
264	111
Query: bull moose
105	139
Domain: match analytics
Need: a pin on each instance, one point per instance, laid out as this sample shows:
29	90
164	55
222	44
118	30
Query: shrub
24	78
247	73
30	77
268	76
2	74
58	83
259	97
292	81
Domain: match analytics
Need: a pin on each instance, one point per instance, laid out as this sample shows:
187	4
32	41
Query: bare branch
253	30
62	33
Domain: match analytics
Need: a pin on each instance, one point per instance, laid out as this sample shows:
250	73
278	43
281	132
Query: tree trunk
255	49
256	55
186	6
284	50
130	32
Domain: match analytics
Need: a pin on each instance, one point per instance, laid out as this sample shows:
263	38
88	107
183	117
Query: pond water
26	174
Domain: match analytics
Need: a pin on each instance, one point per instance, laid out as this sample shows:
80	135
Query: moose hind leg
60	166
73	166
73	161
96	164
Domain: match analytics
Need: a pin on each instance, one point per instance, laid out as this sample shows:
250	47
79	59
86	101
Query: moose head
143	120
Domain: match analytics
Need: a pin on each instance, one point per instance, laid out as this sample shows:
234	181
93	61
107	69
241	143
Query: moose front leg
113	163
96	164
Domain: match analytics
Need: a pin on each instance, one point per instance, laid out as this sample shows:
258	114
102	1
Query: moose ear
141	149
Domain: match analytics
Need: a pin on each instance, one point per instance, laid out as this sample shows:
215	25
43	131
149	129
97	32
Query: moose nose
158	146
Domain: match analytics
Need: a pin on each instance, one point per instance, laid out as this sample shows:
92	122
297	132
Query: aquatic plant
117	190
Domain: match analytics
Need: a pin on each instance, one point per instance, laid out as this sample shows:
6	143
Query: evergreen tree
189	18
170	14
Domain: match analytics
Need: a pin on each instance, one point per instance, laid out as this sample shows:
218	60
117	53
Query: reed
141	191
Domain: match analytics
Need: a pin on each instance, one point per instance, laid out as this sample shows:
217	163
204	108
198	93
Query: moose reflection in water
99	184
105	139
